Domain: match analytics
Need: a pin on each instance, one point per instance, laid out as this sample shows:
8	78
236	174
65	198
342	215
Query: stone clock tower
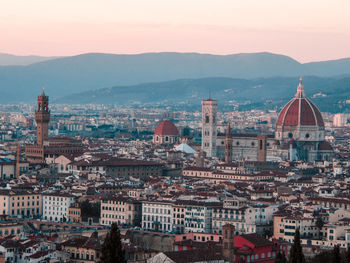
209	132
42	119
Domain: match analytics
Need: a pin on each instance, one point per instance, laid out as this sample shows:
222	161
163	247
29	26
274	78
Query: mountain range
133	75
13	60
264	93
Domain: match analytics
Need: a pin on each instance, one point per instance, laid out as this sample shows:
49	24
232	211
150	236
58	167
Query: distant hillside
67	75
265	93
13	60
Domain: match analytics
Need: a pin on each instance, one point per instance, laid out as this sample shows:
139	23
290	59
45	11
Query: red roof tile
166	128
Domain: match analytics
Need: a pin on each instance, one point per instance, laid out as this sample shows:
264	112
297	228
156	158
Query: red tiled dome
166	128
300	111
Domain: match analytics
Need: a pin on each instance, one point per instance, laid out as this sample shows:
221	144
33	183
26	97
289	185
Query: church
299	135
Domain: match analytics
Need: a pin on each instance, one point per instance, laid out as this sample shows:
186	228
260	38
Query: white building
198	216
157	215
61	163
55	206
259	218
340	120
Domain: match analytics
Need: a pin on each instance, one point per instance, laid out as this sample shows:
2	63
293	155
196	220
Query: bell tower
228	145
209	132
42	118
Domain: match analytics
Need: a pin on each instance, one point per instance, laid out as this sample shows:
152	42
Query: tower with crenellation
42	118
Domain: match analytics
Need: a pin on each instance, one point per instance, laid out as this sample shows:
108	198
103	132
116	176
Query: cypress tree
280	258
112	251
336	257
322	257
296	252
347	256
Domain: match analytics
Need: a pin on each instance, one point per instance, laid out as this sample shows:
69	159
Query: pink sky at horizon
304	30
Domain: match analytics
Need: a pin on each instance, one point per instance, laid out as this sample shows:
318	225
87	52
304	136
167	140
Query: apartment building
198	215
285	226
259	218
56	206
157	215
20	203
231	212
121	210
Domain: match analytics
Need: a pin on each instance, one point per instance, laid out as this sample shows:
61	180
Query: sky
306	30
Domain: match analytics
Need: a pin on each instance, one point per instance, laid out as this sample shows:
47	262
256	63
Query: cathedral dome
300	111
166	128
300	119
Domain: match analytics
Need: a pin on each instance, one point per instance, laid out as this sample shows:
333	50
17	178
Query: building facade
56	206
20	204
121	210
157	215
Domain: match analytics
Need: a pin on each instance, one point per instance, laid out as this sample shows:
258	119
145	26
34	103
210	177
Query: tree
112	251
90	210
322	257
336	257
319	225
347	256
296	252
280	258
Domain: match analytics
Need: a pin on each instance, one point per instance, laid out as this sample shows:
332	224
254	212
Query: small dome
300	111
166	128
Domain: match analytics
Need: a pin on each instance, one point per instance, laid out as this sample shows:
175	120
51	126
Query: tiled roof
300	111
257	240
166	128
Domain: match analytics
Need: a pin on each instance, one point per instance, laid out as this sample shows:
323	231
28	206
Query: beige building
83	249
74	213
10	228
120	210
8	168
20	203
285	226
